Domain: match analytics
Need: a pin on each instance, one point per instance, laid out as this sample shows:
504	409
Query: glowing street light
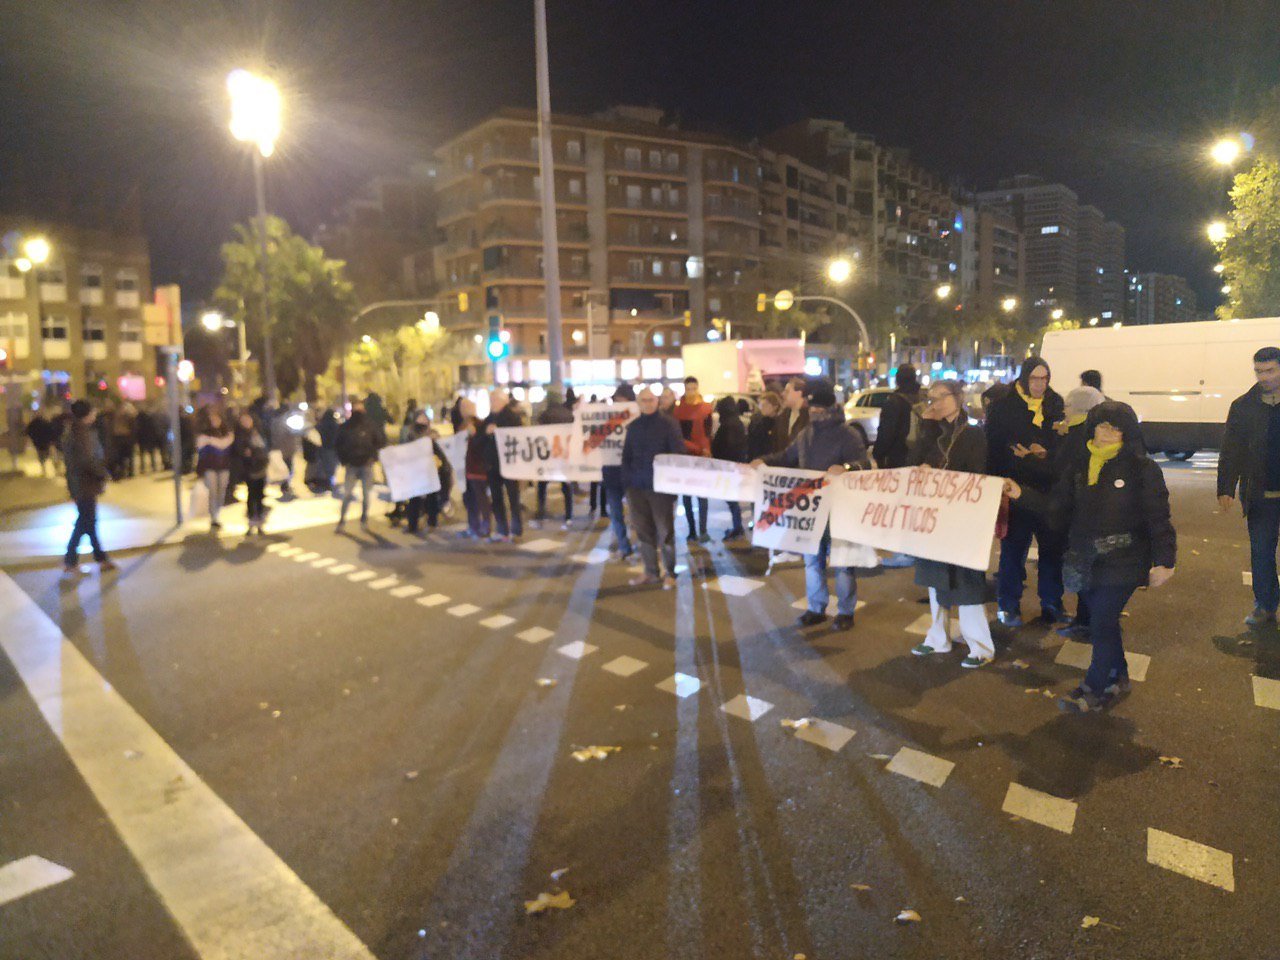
943	291
1058	313
211	321
1009	304
1217	231
1226	288
255	110
1218	268
1093	321
1226	151
430	322
37	250
840	270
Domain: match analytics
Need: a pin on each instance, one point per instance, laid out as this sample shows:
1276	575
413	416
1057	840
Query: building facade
1160	298
73	326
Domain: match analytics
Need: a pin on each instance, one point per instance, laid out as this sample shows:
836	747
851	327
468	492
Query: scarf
1078	419
1034	404
1098	456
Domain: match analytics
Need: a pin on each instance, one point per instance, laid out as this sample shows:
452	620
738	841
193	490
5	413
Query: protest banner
455	451
687	476
939	515
541	453
791	510
410	469
598	432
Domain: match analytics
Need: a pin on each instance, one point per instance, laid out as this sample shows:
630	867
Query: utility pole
546	166
269	374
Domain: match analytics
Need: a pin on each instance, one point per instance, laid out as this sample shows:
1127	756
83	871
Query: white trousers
975	629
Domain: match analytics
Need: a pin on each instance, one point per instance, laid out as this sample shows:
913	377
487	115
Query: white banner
410	469
455	451
598	431
792	509
704	477
939	515
540	453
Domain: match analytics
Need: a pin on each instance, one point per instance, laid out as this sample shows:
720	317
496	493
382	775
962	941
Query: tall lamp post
255	119
35	253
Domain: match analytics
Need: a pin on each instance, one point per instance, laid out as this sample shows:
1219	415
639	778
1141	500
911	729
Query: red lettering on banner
597	435
779	504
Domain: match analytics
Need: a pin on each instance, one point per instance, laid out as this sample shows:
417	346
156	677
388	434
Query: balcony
666	204
720	208
524	154
127	298
628	279
533	273
652	242
619	162
568	234
739	176
91	296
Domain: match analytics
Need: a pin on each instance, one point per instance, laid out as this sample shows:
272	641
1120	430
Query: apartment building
988	251
1160	298
74	325
656	226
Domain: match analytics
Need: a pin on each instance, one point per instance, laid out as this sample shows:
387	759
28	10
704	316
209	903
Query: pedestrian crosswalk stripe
306	557
734	586
498	621
535	634
408	590
598	555
433	600
681	684
1042	808
541	546
1191	859
824	733
1266	692
384	583
577	650
277	547
323	562
832	605
625	666
921	766
463	610
1077	655
28	875
341	569
290	551
360	576
1247	577
748	708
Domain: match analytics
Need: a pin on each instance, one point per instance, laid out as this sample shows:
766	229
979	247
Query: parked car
863	410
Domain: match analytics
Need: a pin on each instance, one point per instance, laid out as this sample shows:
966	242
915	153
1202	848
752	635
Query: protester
327	429
1070	449
40	431
652	514
284	440
613	489
1091	378
504	412
947	442
475	497
667	402
1249	467
795	413
123	440
827	443
250	452
150	439
762	427
357	446
428	504
87	474
898	420
1115	506
693	414
730	443
213	462
1020	445
556	411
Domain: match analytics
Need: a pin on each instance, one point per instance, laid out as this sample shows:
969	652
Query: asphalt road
406	768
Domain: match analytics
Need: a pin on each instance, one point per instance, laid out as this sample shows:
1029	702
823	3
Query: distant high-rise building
1160	298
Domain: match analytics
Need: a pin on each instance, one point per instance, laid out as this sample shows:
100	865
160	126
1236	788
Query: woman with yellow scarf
1114	504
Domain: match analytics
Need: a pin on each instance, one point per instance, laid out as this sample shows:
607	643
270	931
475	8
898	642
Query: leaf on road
879	756
1088	922
797	724
411	775
961	900
593	753
860	887
557	874
622	706
262	705
561	901
275	714
907	916
546	682
1175	762
1021	664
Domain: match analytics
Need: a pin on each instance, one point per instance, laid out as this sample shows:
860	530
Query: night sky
1116	99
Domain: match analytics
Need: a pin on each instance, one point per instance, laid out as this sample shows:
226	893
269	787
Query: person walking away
87	474
652	514
213	463
250	450
429	504
830	444
124	439
285	441
556	411
1071	447
1115	507
613	489
41	434
1091	378
1249	468
504	413
947	442
150	442
694	416
357	446
899	418
730	443
1020	445
59	424
475	496
327	429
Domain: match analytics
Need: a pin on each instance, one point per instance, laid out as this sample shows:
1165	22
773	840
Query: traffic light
464	302
497	344
761	301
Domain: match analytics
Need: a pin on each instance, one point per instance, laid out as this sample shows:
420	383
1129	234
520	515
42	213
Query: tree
311	301
408	362
1250	254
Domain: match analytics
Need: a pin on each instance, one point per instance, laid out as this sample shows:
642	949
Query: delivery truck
1179	377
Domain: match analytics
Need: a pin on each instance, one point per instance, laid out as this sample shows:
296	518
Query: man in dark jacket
503	413
556	411
830	444
795	413
1021	442
87	475
1250	463
730	443
652	514
613	489
358	443
890	447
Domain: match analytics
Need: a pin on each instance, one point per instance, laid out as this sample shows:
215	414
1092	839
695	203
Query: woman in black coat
762	427
1114	505
948	442
730	443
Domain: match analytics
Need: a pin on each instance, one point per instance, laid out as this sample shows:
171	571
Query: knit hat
80	409
821	393
1083	399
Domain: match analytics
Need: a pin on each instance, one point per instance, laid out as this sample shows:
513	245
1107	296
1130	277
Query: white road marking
463	610
535	634
498	621
383	583
1073	654
625	666
1247	577
681	684
598	555
360	576
541	546
341	569
824	733
290	551
803	604
227	891
277	547
1266	693
1042	808
921	766
748	708
433	600
28	875
323	562
306	557
734	586
408	590
576	650
1191	859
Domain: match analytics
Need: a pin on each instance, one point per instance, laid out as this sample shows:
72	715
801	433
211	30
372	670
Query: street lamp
430	322
211	321
1218	268
840	270
1057	313
1226	151
943	291
37	250
1216	231
1009	304
255	118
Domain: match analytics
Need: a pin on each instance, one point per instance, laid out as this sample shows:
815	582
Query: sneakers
1084	700
536	524
924	650
1259	617
811	619
1054	615
668	582
105	566
704	537
1118	688
643	581
1009	618
1074	630
71	570
567	525
973	663
842	622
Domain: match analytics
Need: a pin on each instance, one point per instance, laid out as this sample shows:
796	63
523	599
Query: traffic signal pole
546	166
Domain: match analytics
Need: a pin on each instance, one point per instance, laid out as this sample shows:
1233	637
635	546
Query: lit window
95	330
1052	229
53	327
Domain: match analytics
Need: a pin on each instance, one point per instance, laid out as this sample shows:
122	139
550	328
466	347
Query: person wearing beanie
827	443
87	473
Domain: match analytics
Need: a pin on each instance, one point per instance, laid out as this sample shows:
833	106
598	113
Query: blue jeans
86	526
815	582
735	514
611	487
1107	663
1012	573
1264	537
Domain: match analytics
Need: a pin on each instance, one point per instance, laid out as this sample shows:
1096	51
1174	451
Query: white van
1179	377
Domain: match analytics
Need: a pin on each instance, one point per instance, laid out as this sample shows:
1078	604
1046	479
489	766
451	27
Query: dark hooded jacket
1009	423
1242	463
890	447
730	440
826	441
